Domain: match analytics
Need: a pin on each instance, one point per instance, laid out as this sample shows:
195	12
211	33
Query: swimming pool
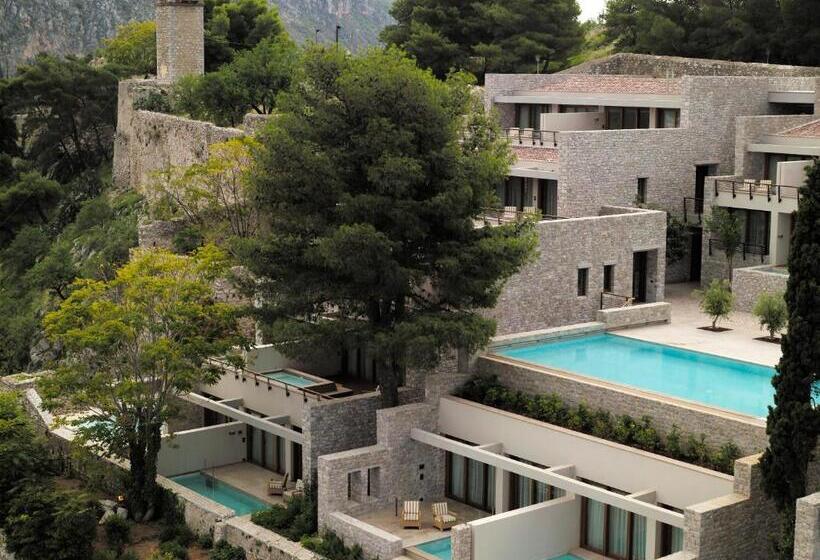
225	494
290	378
713	380
567	557
441	548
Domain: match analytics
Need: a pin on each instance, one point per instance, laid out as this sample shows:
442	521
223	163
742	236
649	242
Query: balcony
760	190
532	137
744	249
510	215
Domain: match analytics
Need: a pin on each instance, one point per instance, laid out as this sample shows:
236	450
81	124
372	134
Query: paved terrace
684	332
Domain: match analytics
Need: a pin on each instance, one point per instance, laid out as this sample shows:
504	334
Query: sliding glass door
470	482
612	531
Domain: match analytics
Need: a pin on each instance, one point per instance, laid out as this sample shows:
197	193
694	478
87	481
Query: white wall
193	450
533	533
677	484
265	358
275	402
572	121
792	173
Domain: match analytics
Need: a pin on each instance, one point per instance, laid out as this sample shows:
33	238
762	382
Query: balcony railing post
734	194
780	194
716	187
751	190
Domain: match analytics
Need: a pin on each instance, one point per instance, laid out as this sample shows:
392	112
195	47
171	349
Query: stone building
180	39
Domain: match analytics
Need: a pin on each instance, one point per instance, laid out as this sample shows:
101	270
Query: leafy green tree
716	301
793	423
799	34
22	453
133	47
133	344
27	201
70	110
232	26
771	311
8	128
508	36
55	271
215	97
726	228
368	184
46	523
30	243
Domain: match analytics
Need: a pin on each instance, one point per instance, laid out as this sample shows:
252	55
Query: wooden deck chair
411	515
442	518
277	487
765	186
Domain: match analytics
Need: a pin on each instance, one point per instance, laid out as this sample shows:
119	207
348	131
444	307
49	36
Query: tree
232	26
134	47
716	301
793	423
725	225
22	453
71	113
8	128
771	310
368	182
446	34
28	201
47	523
133	344
216	196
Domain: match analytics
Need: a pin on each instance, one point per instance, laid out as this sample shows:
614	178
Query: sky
591	9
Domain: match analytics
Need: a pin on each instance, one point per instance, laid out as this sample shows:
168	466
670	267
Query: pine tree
794	422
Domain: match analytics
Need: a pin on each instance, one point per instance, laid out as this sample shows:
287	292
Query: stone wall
635	315
749	283
158	233
127	92
749	435
544	293
807	528
461	538
375	542
180	39
260	543
676	66
750	165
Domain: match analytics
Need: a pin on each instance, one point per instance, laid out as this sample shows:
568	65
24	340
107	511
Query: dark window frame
583	282
609	277
641	117
642	190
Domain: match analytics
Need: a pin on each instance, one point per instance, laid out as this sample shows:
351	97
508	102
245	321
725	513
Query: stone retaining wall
807	528
749	435
375	542
260	543
749	283
634	315
461	539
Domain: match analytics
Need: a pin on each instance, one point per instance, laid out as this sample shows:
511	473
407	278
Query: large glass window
671	539
613	531
668	118
578	108
627	117
471	482
527	492
770	171
529	115
755	226
548	197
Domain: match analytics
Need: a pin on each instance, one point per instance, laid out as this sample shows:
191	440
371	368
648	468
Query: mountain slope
77	26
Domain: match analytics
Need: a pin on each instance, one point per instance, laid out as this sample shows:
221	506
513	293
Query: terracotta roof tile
808	130
612	84
535	154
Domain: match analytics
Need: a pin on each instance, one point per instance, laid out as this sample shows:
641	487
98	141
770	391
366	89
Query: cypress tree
794	421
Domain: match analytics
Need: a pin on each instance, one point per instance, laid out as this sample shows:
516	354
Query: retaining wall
807	528
749	283
635	315
375	542
747	433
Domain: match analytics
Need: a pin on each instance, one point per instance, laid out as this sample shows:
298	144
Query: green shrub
332	547
117	533
188	239
771	311
205	540
623	429
716	300
294	520
224	551
104	554
155	101
180	534
43	522
162	556
129	555
175	549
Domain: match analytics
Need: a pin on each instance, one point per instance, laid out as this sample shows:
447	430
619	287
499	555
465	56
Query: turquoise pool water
439	549
712	380
290	378
222	493
567	557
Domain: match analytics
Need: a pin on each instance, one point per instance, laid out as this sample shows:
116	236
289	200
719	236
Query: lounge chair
442	518
411	515
277	487
765	186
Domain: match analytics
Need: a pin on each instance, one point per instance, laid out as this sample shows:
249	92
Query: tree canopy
133	344
793	423
368	184
485	35
134	47
747	30
233	26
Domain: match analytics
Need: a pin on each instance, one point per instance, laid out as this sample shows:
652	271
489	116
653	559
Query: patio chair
510	214
514	135
442	518
277	487
411	515
527	136
765	186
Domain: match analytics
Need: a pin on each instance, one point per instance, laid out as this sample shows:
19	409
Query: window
627	117
612	531
668	118
583	281
770	172
578	109
470	482
529	116
527	492
609	277
641	196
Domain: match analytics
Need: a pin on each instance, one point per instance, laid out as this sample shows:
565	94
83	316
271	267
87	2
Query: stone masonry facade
180	38
750	283
545	292
807	528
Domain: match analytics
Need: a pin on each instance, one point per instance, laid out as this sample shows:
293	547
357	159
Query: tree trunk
142	494
388	376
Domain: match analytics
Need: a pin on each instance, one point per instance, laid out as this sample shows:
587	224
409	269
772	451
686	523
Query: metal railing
499	216
692	205
744	249
258	379
532	137
625	301
753	188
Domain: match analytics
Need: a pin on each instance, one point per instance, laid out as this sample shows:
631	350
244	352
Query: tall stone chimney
180	38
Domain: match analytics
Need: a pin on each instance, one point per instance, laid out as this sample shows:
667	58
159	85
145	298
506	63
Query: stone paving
249	478
684	332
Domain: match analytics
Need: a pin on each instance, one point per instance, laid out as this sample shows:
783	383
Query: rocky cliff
77	26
